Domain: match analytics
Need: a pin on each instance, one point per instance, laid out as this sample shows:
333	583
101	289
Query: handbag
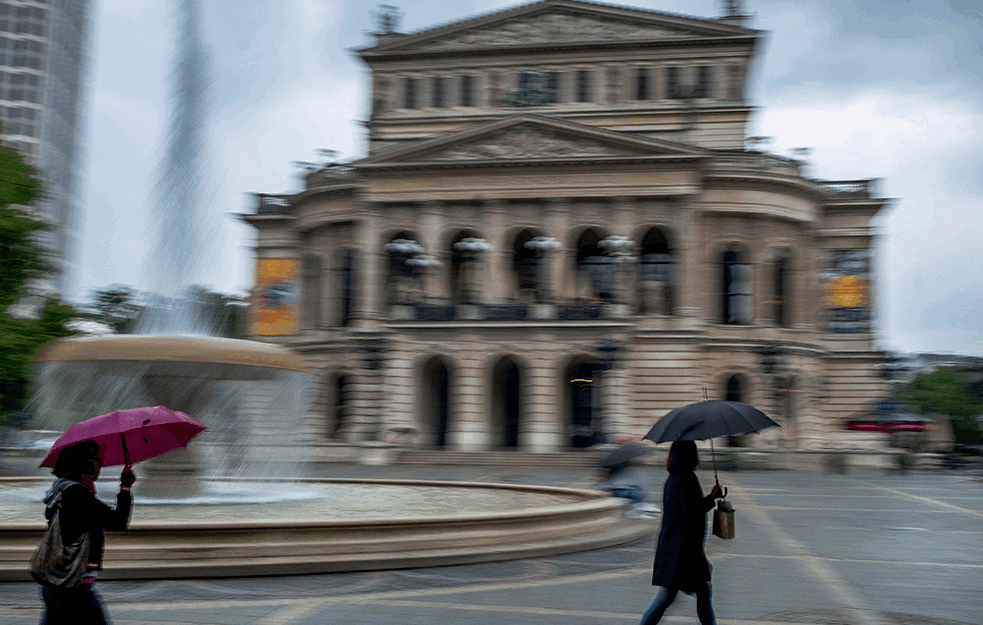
56	564
723	520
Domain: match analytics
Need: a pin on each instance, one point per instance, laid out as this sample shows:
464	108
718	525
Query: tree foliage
115	306
21	258
956	392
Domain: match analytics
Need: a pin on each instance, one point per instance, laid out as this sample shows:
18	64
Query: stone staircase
502	458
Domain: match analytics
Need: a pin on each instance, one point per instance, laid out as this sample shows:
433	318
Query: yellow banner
274	306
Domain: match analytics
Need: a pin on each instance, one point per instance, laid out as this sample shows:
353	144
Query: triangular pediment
530	138
561	22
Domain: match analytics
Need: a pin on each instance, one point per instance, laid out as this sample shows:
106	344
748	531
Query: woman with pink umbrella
68	558
67	589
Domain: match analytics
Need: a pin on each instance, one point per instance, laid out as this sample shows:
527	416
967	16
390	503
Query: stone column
607	419
470	401
369	275
556	212
542	427
430	228
498	271
697	285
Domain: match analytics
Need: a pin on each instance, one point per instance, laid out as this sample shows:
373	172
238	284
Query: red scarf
89	481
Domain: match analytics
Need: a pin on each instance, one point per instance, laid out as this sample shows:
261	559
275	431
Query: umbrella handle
126	451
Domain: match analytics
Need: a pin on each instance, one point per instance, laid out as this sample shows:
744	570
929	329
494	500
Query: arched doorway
436	402
594	271
339	406
579	382
506	405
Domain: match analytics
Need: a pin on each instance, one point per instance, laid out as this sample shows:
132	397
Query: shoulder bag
56	564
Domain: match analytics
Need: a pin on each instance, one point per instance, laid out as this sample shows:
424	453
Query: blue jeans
665	596
70	606
628	492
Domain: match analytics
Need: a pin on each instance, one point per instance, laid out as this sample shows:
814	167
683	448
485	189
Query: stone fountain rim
590	500
173	348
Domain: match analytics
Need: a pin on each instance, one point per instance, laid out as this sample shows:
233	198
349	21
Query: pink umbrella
128	436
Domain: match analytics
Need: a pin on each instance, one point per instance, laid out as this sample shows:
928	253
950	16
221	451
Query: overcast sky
886	89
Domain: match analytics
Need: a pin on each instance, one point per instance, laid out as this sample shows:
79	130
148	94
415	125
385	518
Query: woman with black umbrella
680	562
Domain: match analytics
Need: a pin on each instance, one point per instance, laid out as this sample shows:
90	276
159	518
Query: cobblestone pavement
857	549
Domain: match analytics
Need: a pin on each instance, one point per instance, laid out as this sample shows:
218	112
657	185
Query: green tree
116	307
22	258
954	392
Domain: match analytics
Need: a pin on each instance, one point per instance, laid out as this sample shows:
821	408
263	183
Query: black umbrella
708	420
624	454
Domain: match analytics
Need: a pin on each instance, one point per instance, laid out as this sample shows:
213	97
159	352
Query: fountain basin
429	524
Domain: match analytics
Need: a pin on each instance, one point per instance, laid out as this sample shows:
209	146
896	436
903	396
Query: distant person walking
680	562
82	518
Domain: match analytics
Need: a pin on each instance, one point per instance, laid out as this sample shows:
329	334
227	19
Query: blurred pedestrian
680	561
625	480
69	593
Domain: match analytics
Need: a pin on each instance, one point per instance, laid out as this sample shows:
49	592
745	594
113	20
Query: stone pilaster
496	264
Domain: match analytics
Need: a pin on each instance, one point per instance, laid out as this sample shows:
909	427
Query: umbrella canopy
709	419
128	436
623	454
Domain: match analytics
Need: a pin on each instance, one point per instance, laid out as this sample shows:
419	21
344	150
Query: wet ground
862	548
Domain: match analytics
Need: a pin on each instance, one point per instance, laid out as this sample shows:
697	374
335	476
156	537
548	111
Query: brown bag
57	564
723	520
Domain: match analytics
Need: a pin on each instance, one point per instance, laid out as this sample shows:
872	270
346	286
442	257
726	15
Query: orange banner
274	303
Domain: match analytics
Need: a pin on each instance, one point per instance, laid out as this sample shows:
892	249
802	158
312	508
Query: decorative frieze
554	27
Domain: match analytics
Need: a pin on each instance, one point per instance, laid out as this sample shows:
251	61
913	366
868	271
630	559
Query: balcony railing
271	204
849	189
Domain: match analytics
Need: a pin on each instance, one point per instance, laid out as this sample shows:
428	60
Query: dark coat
82	512
680	562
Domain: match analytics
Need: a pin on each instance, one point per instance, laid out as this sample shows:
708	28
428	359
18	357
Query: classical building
559	233
43	47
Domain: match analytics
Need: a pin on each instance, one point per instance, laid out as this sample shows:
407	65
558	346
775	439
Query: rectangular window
409	93
672	83
439	93
704	82
584	86
467	91
642	84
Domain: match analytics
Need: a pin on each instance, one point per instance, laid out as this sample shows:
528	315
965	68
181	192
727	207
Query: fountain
235	502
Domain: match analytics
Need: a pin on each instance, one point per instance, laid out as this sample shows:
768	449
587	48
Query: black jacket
680	562
82	512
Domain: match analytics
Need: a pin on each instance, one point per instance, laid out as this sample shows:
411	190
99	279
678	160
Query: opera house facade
560	232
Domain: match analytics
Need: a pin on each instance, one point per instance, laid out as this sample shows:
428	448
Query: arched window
736	282
400	286
780	313
311	291
506	404
655	274
339	407
595	271
347	261
525	265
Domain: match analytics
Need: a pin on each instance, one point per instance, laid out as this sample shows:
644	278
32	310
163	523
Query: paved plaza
862	548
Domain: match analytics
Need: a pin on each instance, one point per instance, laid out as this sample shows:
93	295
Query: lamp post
621	251
771	356
607	351
542	246
471	250
401	251
420	266
373	347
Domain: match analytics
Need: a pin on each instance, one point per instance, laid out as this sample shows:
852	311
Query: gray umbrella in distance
625	453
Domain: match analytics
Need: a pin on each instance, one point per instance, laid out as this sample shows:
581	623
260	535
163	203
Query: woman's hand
716	493
127	478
